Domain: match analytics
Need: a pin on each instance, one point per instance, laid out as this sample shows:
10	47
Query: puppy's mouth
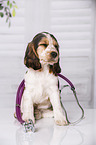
50	61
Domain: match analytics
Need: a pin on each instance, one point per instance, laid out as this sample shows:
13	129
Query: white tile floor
47	133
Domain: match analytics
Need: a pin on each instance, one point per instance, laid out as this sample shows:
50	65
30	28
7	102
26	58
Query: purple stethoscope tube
18	101
20	93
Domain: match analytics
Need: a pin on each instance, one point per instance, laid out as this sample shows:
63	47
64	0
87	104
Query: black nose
53	54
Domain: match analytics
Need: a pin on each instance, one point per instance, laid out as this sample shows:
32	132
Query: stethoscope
75	95
29	126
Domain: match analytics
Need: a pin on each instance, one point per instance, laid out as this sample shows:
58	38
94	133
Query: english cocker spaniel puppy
41	97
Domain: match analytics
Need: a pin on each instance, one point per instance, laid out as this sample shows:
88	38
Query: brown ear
31	57
55	68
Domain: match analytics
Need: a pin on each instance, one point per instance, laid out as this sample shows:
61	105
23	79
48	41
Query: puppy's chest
39	84
43	81
40	81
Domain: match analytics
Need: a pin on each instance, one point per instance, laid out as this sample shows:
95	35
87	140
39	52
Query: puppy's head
43	50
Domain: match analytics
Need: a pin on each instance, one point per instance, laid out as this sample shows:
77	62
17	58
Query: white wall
94	101
72	22
12	49
36	18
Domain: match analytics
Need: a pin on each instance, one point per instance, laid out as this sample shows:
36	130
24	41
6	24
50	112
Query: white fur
39	86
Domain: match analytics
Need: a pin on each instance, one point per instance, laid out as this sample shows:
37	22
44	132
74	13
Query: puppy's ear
55	68
31	59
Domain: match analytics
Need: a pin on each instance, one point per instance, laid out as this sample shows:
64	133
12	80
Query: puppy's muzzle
53	54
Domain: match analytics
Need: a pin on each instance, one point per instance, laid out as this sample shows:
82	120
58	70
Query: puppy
41	97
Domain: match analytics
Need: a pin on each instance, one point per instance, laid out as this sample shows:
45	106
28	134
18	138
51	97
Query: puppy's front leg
27	106
59	117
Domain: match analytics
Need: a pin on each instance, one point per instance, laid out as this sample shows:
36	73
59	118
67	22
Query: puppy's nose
53	54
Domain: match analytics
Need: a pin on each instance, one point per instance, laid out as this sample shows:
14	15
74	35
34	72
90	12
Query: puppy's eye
45	45
56	46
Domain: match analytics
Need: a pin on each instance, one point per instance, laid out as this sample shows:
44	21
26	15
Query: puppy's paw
61	122
27	117
60	119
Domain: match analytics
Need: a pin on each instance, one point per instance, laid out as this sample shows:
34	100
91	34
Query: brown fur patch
31	57
55	68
